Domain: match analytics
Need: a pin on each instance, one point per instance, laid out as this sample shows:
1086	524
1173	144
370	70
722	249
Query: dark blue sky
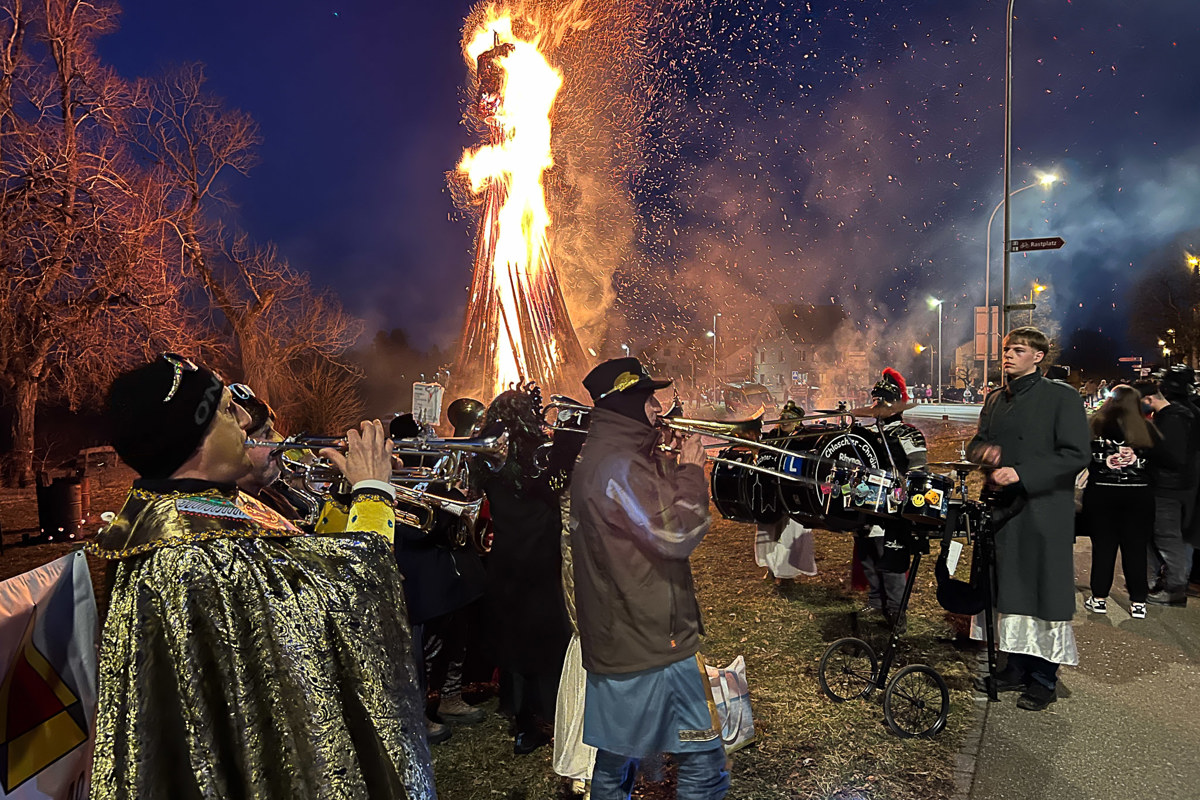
784	151
358	107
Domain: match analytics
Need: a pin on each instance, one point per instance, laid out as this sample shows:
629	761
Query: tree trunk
18	467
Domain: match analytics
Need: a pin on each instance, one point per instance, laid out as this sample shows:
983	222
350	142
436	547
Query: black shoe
1006	681
528	741
1036	697
1165	598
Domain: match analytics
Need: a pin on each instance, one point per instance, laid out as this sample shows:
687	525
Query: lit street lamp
920	348
1034	291
625	347
1045	180
935	303
716	379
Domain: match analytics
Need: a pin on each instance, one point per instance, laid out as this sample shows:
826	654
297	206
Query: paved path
1127	722
959	412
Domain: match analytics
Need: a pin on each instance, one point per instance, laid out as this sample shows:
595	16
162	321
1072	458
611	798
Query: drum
927	497
746	495
827	467
878	492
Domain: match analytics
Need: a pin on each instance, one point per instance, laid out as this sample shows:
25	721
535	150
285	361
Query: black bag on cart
959	597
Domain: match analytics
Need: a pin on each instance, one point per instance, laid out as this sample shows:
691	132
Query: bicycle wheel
916	702
847	670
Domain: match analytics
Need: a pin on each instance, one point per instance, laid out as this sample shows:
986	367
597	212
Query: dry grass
807	746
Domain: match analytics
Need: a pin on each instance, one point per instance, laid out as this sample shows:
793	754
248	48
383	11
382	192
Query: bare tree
1165	305
275	318
81	259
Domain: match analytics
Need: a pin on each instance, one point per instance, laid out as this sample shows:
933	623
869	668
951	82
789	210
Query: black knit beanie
159	412
630	404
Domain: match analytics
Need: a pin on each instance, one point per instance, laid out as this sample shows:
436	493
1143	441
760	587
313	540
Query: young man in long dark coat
1033	437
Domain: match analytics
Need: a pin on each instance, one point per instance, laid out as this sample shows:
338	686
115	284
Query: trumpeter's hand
368	454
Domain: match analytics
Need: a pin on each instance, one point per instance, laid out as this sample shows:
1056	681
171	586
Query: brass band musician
636	516
239	655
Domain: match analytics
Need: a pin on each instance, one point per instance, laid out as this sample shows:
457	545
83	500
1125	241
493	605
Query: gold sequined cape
240	663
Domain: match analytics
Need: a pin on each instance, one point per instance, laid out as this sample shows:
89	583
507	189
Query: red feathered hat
891	387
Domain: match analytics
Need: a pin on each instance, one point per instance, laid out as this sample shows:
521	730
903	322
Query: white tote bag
731	694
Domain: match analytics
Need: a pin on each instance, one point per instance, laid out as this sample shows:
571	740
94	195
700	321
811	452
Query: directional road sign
1138	359
1045	243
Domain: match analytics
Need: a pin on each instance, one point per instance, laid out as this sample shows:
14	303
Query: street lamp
936	303
1034	291
717	382
625	347
920	348
1045	180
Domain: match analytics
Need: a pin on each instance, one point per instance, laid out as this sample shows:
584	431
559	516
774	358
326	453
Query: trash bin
60	507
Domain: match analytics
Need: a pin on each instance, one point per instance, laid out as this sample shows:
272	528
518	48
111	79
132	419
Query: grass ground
807	746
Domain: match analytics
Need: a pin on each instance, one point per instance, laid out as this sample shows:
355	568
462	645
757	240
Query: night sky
753	152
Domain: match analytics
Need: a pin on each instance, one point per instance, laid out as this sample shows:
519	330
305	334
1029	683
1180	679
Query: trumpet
491	446
307	484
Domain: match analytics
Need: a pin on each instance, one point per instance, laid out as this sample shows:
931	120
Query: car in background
743	399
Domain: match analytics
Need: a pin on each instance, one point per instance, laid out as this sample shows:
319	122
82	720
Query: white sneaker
1137	610
1099	605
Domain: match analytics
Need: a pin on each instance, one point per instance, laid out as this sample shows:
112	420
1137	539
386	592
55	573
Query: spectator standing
1033	440
1173	477
1118	503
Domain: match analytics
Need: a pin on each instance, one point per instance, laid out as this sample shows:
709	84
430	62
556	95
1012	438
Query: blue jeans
702	775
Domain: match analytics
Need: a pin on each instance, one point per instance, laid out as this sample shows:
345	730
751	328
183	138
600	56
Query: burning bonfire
517	327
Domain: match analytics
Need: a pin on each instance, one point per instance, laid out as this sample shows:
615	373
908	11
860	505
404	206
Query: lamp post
1193	263
936	303
920	348
717	380
1045	181
625	348
1034	291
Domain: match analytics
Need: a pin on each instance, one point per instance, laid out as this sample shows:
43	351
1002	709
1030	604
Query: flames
517	111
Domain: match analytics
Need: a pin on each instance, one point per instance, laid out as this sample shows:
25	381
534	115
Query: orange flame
515	160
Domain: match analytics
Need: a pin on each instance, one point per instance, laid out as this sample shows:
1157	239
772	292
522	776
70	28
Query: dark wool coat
1042	430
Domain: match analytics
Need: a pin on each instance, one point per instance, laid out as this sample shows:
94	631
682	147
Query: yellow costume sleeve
370	512
333	518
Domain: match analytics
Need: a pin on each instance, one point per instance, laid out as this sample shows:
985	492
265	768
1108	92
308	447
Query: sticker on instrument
934	497
214	507
917	500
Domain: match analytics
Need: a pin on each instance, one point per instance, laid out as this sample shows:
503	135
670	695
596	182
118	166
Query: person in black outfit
1179	386
1118	503
1173	476
885	551
526	611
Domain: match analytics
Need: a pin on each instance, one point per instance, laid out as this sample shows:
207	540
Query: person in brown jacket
636	516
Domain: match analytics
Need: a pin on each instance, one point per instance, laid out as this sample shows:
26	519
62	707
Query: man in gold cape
242	658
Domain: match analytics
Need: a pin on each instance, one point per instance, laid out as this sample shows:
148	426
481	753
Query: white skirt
1018	633
786	548
572	758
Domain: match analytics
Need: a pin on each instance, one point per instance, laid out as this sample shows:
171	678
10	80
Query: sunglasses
241	391
180	365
